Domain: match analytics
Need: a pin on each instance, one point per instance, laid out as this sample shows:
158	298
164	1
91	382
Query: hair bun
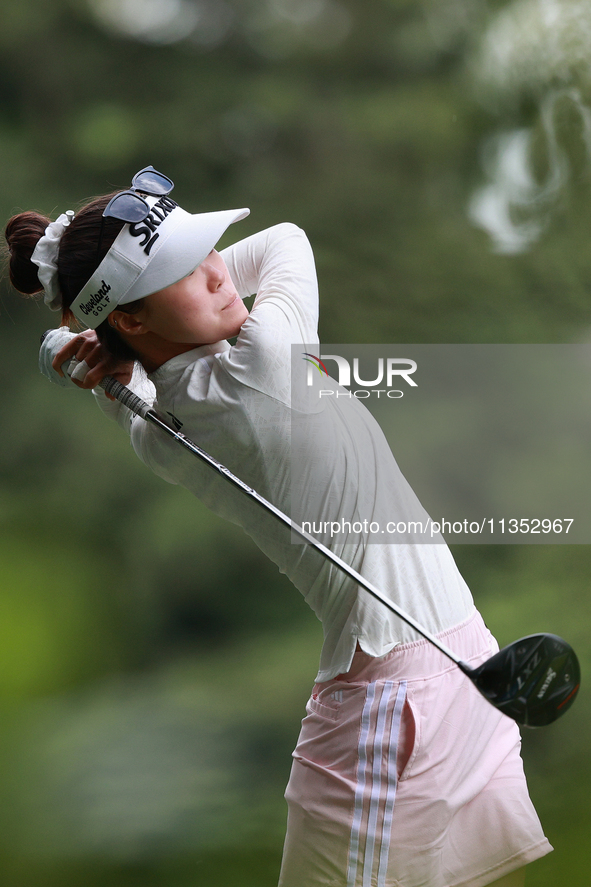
22	234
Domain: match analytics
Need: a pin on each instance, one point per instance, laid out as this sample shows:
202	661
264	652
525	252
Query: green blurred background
153	666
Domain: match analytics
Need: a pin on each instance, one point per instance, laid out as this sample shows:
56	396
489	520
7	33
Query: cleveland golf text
97	302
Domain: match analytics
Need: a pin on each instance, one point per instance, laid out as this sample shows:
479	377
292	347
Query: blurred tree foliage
135	627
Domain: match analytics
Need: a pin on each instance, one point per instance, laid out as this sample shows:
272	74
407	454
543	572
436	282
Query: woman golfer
403	775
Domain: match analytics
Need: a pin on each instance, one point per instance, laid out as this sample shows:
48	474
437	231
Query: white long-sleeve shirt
235	402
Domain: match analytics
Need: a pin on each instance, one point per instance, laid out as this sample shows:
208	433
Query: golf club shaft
141	408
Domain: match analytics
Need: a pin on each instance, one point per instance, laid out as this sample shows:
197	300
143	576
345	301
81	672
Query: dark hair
78	258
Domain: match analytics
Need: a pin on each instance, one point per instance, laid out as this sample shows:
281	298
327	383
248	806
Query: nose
215	276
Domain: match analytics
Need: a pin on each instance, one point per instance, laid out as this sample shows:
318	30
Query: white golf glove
51	344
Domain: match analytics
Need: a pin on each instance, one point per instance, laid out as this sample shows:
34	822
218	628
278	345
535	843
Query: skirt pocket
408	739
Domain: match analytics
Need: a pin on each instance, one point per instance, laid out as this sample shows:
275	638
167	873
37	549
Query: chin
236	330
240	323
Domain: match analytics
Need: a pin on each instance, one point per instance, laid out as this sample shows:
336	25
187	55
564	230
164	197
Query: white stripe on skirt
382	719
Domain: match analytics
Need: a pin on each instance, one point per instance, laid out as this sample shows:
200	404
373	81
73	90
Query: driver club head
533	680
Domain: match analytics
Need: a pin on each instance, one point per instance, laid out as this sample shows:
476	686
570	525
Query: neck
153	351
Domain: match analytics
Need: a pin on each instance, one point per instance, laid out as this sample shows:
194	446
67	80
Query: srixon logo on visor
148	228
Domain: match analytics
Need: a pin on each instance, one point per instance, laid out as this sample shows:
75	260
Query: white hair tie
45	257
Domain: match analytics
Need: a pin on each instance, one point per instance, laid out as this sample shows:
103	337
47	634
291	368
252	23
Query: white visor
150	255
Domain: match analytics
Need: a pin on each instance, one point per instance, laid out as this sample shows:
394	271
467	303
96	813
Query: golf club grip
125	396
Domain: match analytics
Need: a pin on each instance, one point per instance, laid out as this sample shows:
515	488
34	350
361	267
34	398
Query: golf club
534	680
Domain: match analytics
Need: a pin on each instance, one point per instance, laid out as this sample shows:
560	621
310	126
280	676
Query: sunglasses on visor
129	206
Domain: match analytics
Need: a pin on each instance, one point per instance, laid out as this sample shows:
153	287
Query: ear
126	323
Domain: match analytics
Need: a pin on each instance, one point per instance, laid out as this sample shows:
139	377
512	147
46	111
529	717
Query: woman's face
200	309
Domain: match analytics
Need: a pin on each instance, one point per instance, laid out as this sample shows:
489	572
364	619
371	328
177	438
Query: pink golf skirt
405	776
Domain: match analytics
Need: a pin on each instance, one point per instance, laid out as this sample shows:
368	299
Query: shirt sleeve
278	265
